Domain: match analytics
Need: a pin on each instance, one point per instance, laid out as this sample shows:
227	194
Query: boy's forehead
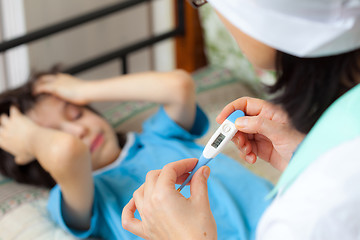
47	110
49	102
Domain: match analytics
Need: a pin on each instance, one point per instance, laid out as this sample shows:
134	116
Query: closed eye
73	112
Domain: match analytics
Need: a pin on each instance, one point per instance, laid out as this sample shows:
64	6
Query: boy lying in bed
49	136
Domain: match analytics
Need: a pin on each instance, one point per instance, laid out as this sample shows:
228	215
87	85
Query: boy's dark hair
307	86
31	173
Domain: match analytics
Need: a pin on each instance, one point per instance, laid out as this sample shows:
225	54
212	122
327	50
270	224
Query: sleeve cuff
161	124
55	209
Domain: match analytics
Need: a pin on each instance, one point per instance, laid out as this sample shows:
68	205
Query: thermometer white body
218	140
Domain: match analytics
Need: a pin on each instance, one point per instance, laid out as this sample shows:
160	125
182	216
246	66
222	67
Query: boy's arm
64	156
68	160
175	90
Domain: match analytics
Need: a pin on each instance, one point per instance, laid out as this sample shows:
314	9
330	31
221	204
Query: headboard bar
67	24
121	53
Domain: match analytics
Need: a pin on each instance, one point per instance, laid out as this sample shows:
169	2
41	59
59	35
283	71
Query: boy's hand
63	86
16	133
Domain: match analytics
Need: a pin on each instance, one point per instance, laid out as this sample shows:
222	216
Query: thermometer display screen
218	140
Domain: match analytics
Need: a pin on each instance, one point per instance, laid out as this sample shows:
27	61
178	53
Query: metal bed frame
120	53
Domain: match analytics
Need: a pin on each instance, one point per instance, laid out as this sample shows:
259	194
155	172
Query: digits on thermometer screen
218	140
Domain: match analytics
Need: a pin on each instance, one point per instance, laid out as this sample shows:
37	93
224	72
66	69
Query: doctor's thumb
198	186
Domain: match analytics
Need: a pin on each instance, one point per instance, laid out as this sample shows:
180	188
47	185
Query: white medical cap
304	28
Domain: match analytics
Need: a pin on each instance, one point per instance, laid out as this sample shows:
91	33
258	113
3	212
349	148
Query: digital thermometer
217	142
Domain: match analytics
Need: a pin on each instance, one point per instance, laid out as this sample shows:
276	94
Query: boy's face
93	130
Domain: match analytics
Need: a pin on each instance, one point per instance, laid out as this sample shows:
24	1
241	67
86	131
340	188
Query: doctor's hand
265	132
64	86
166	213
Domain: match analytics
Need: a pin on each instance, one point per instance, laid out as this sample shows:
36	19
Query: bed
220	77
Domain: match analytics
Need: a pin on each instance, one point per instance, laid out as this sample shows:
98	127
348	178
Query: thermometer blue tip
235	115
202	162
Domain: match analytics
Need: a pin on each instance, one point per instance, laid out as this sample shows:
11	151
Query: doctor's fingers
245	146
172	172
250	106
273	130
250	157
150	182
138	197
129	222
241	140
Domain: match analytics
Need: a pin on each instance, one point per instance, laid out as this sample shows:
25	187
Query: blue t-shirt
237	196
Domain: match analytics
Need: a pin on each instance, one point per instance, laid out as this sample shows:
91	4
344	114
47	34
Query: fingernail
249	159
241	122
206	172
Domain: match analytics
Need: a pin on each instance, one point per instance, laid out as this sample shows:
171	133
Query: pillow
23	213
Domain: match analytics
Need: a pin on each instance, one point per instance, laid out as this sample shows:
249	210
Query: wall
15	64
103	35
